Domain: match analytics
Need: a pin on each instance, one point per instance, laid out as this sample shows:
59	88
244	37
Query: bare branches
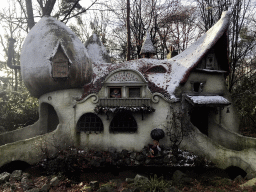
30	14
67	16
239	47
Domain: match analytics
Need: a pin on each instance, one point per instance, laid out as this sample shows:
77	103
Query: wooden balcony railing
124	102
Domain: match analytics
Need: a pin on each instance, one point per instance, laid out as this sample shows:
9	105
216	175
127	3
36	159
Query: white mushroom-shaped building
53	58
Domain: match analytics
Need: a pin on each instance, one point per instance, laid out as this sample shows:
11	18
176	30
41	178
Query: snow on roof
192	55
158	82
208	100
147	46
60	44
177	68
40	45
96	50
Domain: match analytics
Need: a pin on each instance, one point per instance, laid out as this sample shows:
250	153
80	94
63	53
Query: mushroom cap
40	46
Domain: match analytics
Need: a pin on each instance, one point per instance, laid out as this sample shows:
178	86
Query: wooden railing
125	102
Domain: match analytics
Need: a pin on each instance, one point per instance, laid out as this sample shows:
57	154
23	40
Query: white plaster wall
63	102
69	111
215	84
130	141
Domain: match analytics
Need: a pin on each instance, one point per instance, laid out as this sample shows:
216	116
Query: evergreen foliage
18	109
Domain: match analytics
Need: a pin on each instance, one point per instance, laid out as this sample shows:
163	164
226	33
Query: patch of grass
154	184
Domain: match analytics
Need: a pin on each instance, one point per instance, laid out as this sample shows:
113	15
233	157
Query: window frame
134	87
200	86
111	89
131	128
90	129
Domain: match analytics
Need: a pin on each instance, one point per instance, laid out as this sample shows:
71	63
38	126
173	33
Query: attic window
210	61
123	122
156	69
90	122
60	64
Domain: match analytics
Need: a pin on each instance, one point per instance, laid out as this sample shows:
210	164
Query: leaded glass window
90	123
123	122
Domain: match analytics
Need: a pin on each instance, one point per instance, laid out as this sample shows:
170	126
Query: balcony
125	102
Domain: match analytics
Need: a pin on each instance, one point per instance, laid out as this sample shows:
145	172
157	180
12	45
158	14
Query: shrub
154	184
18	109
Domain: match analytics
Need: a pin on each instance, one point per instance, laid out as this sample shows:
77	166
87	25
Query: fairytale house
90	103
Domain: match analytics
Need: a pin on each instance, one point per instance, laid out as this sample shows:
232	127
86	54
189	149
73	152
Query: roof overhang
206	100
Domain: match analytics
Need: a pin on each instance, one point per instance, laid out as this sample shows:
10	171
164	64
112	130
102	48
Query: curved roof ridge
190	57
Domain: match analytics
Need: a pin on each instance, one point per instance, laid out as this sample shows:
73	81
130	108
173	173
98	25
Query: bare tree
30	17
128	31
240	45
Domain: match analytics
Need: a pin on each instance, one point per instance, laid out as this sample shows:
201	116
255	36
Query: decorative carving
93	95
124	76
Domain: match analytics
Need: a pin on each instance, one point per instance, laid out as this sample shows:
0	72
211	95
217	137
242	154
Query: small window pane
115	92
134	92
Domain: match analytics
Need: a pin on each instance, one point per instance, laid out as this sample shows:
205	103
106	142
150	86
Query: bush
154	184
18	109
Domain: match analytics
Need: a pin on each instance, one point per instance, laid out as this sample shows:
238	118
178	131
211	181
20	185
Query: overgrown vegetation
244	96
18	109
154	184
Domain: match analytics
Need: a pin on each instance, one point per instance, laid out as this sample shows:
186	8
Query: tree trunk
31	21
128	31
11	55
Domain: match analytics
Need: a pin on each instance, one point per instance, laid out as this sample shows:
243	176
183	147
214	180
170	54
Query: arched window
89	122
123	122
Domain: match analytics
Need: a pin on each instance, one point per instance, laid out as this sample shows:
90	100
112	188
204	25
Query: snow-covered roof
40	45
190	57
147	46
177	68
208	100
96	50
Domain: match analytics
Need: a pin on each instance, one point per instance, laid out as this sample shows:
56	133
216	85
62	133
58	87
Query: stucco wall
215	84
69	112
32	150
21	134
223	158
133	141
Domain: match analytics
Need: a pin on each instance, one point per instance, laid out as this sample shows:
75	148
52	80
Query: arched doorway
199	118
48	117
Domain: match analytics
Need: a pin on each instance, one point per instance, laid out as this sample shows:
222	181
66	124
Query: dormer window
210	61
60	63
156	69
